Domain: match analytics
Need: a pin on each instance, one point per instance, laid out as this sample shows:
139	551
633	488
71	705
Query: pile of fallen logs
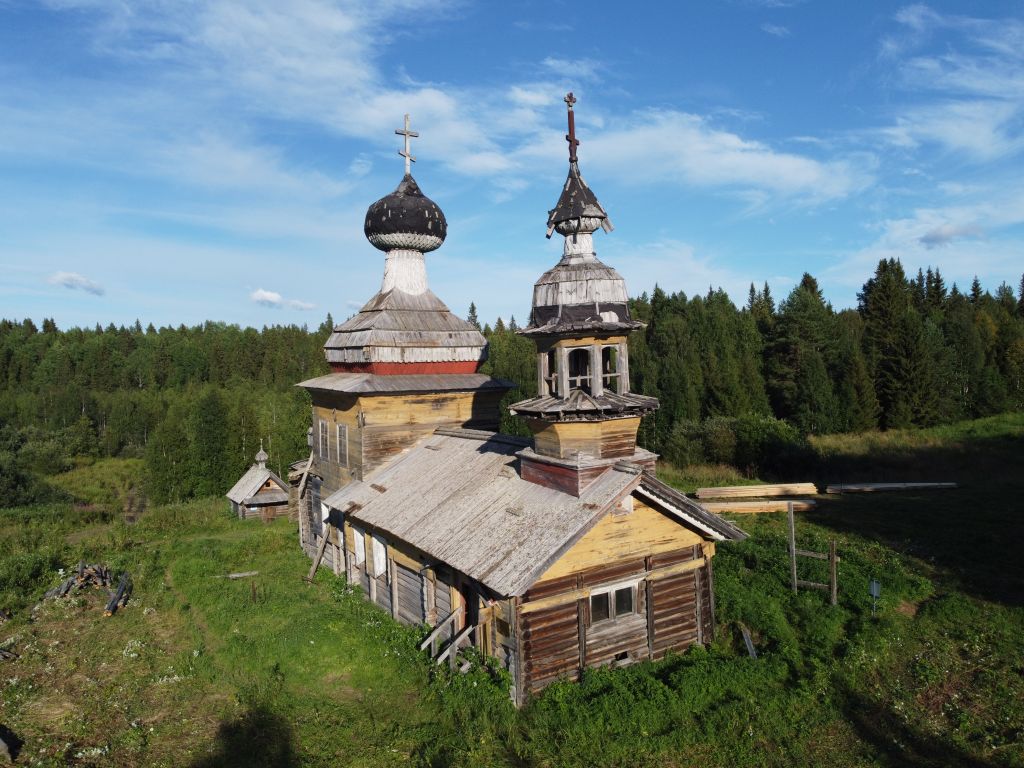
96	576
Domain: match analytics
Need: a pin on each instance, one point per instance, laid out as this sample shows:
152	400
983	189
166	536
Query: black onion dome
576	203
405	219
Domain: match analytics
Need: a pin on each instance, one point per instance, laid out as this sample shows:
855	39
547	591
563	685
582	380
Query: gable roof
683	507
251	482
458	497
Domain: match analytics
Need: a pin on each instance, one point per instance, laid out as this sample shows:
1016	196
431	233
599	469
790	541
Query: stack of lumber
872	487
756	491
751	507
765	498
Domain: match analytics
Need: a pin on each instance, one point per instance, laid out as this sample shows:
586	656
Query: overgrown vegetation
203	671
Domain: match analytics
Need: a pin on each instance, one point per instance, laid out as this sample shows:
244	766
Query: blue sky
182	161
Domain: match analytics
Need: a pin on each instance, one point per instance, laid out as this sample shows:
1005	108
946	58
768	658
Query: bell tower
584	418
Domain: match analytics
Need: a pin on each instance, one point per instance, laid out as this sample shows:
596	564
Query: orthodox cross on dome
405	152
571	135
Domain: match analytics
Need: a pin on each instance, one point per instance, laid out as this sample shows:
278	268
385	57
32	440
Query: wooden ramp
757	491
753	507
874	487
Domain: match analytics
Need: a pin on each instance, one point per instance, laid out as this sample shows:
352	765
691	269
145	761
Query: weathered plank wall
644	531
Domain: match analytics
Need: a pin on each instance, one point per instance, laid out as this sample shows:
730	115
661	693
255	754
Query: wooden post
581	633
649	595
622	368
562	355
430	595
711	593
393	570
542	373
699	594
319	553
596	374
792	544
833	572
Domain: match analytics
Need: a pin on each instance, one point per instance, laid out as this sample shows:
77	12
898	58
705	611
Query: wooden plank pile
763	498
751	507
873	487
757	491
98	577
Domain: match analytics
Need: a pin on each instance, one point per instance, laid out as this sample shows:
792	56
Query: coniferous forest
738	385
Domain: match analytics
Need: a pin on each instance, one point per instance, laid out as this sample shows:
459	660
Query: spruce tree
976	291
472	318
211	464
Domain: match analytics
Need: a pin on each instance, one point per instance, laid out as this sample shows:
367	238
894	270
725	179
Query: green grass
201	671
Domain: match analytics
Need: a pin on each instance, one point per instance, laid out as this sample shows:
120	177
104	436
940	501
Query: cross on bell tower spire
571	135
405	152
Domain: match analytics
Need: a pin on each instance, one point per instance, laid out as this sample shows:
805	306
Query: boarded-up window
324	450
359	544
342	430
380	558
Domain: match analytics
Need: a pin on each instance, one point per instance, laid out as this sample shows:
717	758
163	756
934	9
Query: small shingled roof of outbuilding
267	499
252	481
458	497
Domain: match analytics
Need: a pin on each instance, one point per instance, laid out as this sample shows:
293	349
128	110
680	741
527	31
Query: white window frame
341	436
325	445
610	590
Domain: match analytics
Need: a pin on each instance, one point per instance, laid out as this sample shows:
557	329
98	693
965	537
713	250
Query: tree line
735	383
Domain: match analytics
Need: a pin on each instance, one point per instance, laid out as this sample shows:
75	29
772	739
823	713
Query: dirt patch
907	608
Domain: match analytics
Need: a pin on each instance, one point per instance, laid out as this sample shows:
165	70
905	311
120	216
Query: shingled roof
458	497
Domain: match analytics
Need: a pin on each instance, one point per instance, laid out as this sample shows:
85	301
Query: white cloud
977	238
685	148
76	282
573	69
776	30
274	300
968	97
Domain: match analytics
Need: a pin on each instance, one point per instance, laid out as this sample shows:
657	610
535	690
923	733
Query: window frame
583	382
341	439
324	444
610	590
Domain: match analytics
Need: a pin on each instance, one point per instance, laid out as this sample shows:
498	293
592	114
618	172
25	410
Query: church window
610	368
324	451
579	369
342	430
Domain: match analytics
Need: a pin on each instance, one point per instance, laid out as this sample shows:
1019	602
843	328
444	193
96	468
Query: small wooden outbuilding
259	492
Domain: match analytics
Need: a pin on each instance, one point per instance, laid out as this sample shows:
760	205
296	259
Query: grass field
204	671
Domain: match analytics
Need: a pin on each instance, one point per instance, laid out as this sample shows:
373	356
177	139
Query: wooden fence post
792	544
833	572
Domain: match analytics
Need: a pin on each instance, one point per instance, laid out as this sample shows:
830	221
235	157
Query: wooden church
551	555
